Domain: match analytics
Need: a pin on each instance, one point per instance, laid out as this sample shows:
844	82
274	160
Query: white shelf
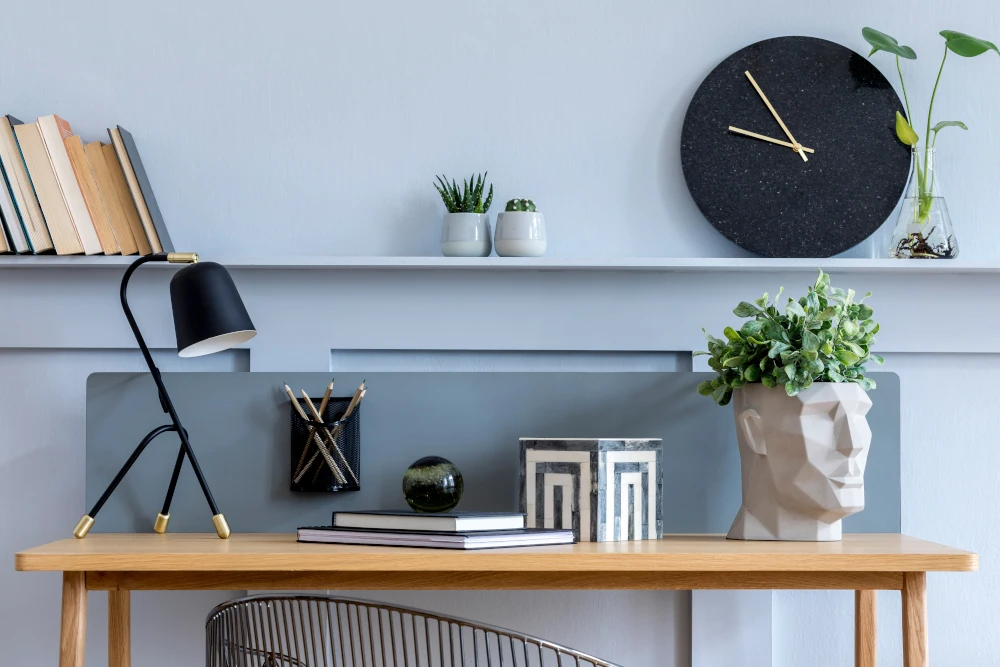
653	264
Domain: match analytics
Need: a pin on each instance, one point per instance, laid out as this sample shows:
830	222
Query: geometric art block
605	490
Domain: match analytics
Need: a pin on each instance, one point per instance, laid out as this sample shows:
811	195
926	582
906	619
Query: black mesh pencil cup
326	456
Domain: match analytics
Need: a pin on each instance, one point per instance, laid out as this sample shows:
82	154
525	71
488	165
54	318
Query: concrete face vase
803	460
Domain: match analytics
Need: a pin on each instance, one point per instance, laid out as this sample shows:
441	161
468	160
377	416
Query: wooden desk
122	563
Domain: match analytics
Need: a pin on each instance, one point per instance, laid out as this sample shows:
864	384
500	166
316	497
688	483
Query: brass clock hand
796	146
773	141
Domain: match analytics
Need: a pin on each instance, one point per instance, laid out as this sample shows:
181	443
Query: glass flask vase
924	229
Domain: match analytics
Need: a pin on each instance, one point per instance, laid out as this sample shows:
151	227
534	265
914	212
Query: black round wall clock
825	169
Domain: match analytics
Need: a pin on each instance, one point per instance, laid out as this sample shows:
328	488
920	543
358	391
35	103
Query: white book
479	539
12	221
32	220
55	131
450	522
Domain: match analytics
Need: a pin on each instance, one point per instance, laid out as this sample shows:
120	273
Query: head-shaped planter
803	460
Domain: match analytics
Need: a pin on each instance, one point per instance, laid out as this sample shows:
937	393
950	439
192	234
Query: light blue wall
316	127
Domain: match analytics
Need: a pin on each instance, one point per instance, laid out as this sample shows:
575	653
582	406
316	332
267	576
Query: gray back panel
239	428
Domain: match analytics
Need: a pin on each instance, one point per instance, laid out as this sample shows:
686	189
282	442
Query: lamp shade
209	315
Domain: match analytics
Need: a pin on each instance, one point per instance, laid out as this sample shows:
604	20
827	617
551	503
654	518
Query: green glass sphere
432	484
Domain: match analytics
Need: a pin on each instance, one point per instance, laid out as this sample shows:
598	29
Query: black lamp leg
163	517
218	519
85	524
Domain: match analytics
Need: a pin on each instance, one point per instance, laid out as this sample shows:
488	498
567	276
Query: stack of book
457	530
59	194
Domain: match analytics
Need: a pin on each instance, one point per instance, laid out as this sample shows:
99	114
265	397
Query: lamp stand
160	526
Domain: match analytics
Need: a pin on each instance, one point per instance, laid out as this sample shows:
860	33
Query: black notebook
478	539
408	520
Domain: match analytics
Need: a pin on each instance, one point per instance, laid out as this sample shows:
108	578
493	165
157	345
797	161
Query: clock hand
796	146
773	141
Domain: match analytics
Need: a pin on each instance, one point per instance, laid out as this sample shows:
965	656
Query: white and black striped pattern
605	490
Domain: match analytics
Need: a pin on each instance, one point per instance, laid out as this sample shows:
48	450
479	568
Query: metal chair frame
327	631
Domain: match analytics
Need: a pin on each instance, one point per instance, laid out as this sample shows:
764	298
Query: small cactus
520	205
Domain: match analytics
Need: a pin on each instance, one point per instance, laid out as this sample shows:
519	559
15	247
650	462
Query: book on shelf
91	195
475	539
23	192
12	238
6	245
142	191
65	236
54	132
409	520
125	199
110	196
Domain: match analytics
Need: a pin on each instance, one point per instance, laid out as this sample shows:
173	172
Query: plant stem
909	116
930	111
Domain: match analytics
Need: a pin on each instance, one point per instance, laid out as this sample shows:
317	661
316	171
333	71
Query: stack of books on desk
457	530
59	194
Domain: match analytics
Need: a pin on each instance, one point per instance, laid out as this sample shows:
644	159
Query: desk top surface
674	553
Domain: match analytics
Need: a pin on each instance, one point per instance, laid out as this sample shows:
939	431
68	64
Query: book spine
18	239
54	130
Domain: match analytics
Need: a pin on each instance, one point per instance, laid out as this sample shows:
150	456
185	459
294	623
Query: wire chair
323	631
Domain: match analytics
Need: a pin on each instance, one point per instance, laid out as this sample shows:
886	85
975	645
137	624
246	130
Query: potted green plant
521	230
924	229
466	228
798	385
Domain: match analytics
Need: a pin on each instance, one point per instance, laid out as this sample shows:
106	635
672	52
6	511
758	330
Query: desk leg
119	629
865	628
73	635
915	619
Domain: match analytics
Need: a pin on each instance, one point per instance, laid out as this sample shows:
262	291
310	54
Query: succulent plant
520	205
465	199
825	336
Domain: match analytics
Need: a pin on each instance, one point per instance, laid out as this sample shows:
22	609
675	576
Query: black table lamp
209	317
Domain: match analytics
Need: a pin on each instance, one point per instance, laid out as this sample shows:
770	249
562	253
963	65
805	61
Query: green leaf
810	341
719	394
762	301
882	42
790	372
948	123
489	200
731	334
847	357
864	312
828	313
850	328
705	388
967	46
751	374
856	349
768	381
733	362
877	359
794	308
905	132
745	309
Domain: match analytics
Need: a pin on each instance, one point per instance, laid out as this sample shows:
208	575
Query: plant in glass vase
924	228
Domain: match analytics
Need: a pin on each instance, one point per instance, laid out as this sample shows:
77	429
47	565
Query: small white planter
466	235
520	234
803	460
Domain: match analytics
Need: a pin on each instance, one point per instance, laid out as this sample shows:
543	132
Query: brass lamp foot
160	525
83	527
221	527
